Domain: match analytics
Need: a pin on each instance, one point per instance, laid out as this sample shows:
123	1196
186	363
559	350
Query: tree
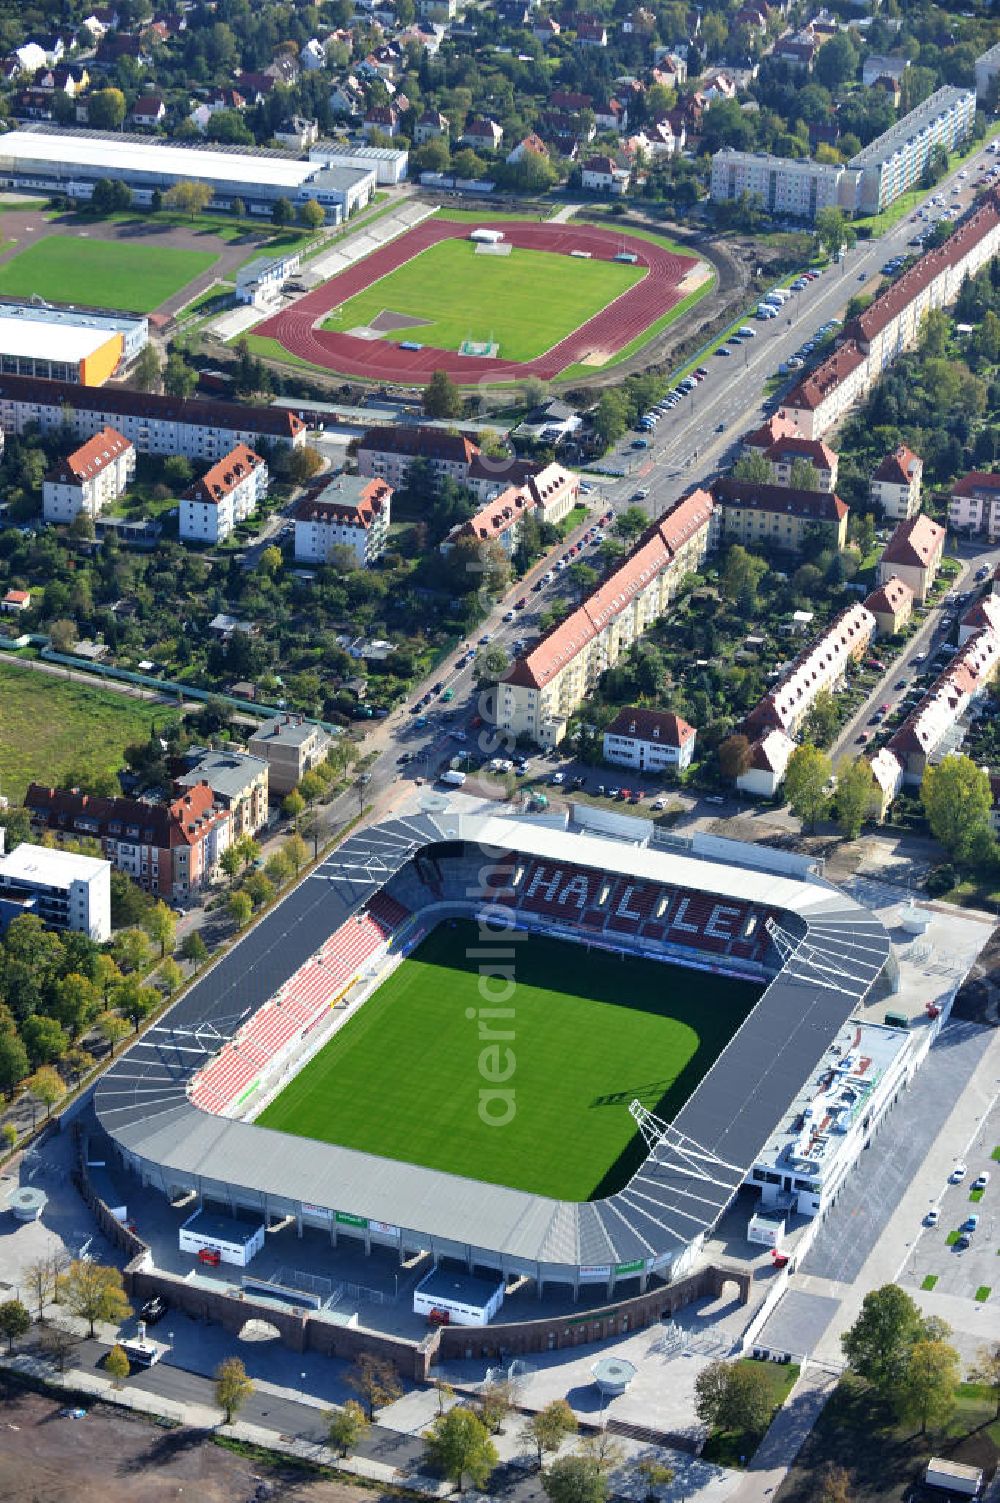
376	1382
278	869
878	1344
58	1343
231	861
232	1387
957	801
610	417
170	975
116	1365
131	950
741	576
803	476
312	215
282	213
928	1388
833	231
112	1029
630	523
655	1474
855	791
270	560
496	1403
806	777
188	198
837	61
575	1479
549	1427
62	636
44	1039
303	463
753	466
194	948
111	196
179	378
48	1086
345	1426
39	1279
297	852
834	1485
734	756
160	924
442	398
8	1136
94	1292
491	663
14	1063
240	909
14	1321
75	1003
734	1396
820	724
459	1446
106	109
987	1372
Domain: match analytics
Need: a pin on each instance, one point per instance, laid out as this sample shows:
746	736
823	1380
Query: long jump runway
297	328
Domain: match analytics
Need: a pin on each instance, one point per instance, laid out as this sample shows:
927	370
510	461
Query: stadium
548	1052
531	299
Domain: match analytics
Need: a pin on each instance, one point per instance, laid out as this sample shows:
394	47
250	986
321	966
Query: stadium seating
388	913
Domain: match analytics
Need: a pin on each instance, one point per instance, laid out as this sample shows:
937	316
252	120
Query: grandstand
175	1103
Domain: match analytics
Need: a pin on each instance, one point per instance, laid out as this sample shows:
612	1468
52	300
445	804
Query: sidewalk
783	1442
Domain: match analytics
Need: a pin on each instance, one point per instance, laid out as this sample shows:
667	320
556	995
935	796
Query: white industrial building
65	890
133	327
71	162
259	283
389	163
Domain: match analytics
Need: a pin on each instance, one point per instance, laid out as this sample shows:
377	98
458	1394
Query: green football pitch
402	1078
527	301
102	273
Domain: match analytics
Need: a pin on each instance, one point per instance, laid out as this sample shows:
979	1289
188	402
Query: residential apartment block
541	690
226	494
821	665
548	496
974	506
239	783
892	606
895	162
775	516
913	554
64	889
649	740
895	485
170	849
348	512
931	731
90	478
793	187
987	69
291	747
891	324
163	425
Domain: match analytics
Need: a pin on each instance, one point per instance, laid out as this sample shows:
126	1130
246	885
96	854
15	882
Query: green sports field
102	273
590	1031
527	301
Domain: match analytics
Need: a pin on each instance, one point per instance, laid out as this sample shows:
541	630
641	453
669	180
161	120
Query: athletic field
527	301
102	273
591	1031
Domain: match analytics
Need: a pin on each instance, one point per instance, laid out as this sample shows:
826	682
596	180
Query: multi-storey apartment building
791	186
170	849
775	516
387	454
913	554
238	781
975	504
930	731
228	493
539	693
649	740
348	512
291	747
897	160
895	485
90	478
204	431
65	890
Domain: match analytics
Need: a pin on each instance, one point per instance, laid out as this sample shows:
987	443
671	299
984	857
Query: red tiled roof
811	449
914	542
273	422
898	467
184	821
818	506
775	427
889	597
977	482
813	390
90	459
662	726
223	478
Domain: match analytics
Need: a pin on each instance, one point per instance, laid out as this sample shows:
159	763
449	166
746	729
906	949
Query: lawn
103	273
589	1032
734	1448
49	724
527	301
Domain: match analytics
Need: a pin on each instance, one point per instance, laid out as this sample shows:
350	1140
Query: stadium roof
837	950
122	154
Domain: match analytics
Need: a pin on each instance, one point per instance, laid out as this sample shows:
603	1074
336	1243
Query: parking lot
958	1254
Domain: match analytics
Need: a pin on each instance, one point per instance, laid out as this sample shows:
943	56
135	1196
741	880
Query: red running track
382	360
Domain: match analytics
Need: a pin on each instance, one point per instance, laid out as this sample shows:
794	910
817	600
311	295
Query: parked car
153	1310
958	1174
981	1181
933	1217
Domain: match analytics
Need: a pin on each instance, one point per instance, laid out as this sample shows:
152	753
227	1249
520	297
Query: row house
538	694
171	849
821	665
891	603
226	495
895	485
974	506
348	512
549	494
776	516
932	730
913	554
891	324
153	424
782	446
92	477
